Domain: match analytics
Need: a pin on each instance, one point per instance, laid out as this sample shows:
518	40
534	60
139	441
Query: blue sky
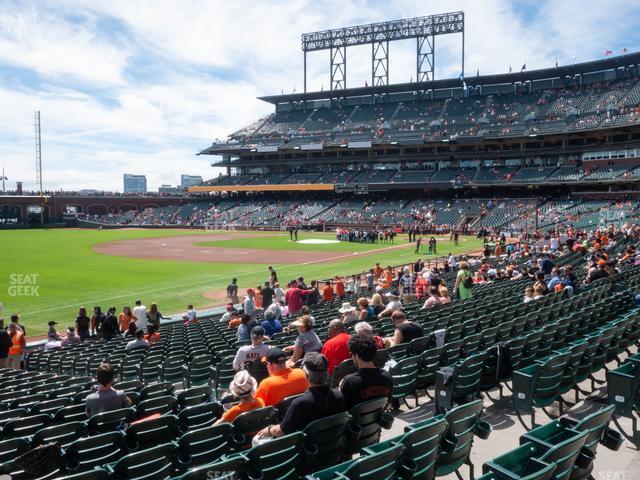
140	86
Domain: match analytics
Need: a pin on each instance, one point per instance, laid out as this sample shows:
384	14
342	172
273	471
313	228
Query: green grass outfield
69	274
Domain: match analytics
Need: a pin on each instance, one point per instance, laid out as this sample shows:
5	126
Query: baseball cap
315	362
52	323
275	355
393	293
601	263
257	332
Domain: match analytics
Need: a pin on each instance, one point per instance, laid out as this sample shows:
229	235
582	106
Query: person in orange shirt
243	386
388	278
327	292
125	318
258	299
282	381
340	291
18	345
152	336
378	271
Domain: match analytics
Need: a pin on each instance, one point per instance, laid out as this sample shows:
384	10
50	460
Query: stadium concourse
522	363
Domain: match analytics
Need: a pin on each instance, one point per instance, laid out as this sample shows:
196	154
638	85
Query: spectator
18	345
444	295
335	348
405	330
125	318
139	342
314	296
366	312
243	386
293	297
271	323
340	288
52	329
53	342
540	284
96	321
393	305
154	316
273	276
376	303
131	331
598	273
366	329
528	294
538	291
106	398
15	319
555	280
307	340
327	292
464	281
71	338
249	304
348	314
83	324
369	382
318	401
282	381
152	335
267	295
227	315
279	293
249	353
244	330
433	299
140	312
190	315
5	344
109	328
234	321
232	291
545	264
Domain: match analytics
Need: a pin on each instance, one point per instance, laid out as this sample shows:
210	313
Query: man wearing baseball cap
318	401
249	353
282	381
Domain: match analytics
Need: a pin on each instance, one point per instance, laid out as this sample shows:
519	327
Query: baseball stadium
432	279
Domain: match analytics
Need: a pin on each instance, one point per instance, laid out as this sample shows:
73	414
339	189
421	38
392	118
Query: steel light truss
424	29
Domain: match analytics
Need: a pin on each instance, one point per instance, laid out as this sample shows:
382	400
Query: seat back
110	421
199	416
564	455
324	441
63	434
422	444
151	432
284	405
380	466
89	452
404	374
365	428
345	368
247	424
278	459
12	448
226	469
72	413
194	396
162	405
204	445
25	426
156	463
595	424
458	439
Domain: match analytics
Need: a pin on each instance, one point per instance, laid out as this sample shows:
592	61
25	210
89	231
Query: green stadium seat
384	465
277	459
156	463
405	374
224	469
11	448
462	385
623	391
25	426
63	433
199	416
110	421
204	445
518	464
247	424
89	452
366	424
324	441
194	396
151	432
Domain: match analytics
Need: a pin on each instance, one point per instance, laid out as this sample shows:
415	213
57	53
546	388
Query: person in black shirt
232	291
5	345
267	295
96	321
405	330
83	323
109	328
273	276
369	382
318	401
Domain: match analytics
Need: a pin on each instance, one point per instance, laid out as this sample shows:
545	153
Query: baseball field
48	274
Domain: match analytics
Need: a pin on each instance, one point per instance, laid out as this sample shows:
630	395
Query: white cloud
142	86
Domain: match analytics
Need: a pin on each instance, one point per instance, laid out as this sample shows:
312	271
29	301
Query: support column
338	65
379	63
425	58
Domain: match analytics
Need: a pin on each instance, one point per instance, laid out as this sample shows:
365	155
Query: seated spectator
306	311
538	292
366	311
190	315
154	316
306	342
131	331
444	295
555	280
234	321
293	297
365	328
106	398
71	338
319	401
243	386
433	299
52	329
335	348
152	335
282	381
376	303
540	284
348	314
139	342
244	330
271	322
405	330
125	318
528	294
369	381
53	342
226	316
393	305
248	353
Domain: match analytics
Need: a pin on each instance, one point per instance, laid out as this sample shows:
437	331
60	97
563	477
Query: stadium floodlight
378	35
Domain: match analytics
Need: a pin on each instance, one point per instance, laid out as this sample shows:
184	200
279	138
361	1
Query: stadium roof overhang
504	78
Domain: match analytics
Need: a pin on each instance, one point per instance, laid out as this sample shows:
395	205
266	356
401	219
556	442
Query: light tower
39	166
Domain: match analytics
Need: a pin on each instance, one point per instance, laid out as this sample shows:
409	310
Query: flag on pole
607	52
510	69
366	84
556	63
478	73
524	67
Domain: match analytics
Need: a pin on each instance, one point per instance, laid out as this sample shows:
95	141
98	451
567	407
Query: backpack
468	281
41	460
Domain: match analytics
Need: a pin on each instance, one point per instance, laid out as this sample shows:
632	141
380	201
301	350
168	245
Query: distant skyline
141	86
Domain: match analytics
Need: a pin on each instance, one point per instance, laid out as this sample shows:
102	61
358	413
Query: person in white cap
348	313
393	305
243	386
